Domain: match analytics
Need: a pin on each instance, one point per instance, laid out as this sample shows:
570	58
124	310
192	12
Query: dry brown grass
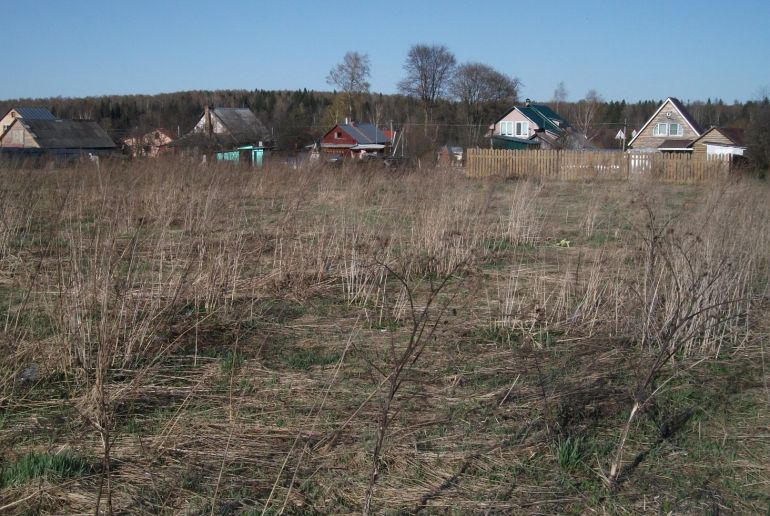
218	340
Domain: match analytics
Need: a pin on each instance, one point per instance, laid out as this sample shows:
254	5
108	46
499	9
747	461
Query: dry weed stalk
423	325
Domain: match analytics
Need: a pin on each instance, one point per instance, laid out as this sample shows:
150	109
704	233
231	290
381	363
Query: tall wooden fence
595	165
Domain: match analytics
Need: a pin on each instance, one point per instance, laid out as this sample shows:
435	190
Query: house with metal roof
670	129
29	113
58	137
534	126
355	140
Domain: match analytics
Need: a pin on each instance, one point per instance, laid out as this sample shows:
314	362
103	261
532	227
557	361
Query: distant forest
297	118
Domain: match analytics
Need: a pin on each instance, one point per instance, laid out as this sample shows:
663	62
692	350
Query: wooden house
29	113
670	129
534	126
224	129
720	141
355	140
59	137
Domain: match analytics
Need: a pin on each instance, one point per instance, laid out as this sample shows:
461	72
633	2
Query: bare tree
429	70
560	95
480	89
586	112
350	76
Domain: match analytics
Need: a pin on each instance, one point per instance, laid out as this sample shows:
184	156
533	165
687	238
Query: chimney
526	102
209	128
347	121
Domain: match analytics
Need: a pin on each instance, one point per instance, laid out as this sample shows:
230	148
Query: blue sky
693	50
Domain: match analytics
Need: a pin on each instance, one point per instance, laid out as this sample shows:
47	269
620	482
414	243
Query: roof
67	134
364	133
33	113
244	126
682	111
675	144
542	115
734	134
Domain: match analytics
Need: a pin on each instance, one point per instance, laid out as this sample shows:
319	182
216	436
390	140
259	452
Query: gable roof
363	134
733	134
67	134
542	115
242	124
682	111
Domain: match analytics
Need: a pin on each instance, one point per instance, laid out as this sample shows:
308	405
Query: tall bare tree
586	113
482	90
350	76
560	95
429	70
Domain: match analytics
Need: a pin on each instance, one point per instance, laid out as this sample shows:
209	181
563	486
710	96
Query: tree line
438	102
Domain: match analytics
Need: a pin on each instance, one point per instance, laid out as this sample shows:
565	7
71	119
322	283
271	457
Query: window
675	130
506	128
338	135
660	130
522	129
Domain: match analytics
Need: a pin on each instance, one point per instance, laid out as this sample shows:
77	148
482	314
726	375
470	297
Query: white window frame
521	129
506	128
680	130
657	129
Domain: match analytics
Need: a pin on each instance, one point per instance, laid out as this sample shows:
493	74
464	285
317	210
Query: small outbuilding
720	141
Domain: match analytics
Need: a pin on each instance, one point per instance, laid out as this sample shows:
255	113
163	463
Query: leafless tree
586	112
560	95
429	70
480	89
350	76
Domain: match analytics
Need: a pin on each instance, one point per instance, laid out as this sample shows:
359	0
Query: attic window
660	130
338	135
675	130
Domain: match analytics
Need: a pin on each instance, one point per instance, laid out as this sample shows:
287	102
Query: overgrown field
178	339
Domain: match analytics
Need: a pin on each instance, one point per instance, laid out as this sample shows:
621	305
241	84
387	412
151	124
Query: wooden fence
595	165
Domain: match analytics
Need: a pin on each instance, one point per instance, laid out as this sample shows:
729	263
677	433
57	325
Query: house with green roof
534	126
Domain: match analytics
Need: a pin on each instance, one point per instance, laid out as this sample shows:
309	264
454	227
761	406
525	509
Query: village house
534	126
29	113
356	140
57	137
670	129
150	144
224	129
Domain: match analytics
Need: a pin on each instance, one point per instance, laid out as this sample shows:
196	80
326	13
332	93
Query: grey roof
35	113
243	125
68	134
365	133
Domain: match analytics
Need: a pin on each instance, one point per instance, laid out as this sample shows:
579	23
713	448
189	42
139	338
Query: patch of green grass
35	465
305	358
570	453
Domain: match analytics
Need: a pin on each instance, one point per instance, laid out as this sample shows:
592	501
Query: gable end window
506	128
675	130
660	130
522	129
338	135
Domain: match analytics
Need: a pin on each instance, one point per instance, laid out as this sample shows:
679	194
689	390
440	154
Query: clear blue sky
693	50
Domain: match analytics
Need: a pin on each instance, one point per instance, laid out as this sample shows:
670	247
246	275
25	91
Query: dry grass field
181	339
